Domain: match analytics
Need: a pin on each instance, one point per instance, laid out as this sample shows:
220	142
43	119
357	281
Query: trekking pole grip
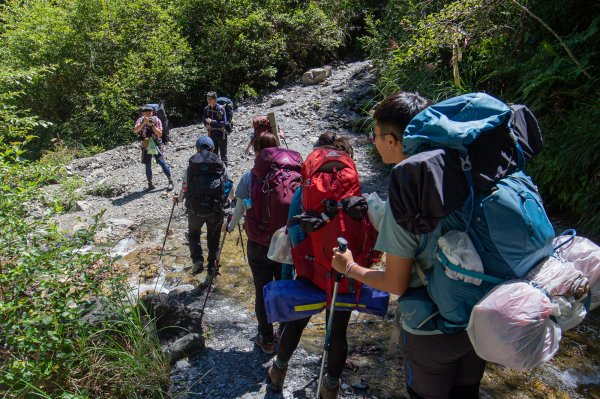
342	247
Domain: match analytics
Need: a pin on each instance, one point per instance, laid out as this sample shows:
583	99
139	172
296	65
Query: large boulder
316	75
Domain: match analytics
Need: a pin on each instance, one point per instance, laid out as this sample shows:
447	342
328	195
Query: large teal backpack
506	220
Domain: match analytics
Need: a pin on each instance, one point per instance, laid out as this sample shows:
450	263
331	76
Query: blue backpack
500	208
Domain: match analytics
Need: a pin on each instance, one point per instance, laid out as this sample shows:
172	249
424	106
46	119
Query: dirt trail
231	366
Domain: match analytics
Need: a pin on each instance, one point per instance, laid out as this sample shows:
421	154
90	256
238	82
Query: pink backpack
275	178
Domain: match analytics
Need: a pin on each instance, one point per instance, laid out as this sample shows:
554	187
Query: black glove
355	207
308	221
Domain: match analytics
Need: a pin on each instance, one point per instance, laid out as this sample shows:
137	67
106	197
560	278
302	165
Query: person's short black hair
397	110
211	94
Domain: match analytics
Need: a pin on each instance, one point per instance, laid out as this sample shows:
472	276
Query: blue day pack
287	300
505	218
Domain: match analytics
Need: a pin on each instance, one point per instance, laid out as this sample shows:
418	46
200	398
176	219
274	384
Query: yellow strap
349	305
310	306
321	305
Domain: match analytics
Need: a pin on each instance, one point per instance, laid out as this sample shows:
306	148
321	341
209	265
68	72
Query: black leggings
264	270
338	345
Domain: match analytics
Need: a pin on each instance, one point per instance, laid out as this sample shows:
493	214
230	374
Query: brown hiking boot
329	393
276	377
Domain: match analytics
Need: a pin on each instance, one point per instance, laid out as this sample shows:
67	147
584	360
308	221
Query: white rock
83	205
277	101
316	75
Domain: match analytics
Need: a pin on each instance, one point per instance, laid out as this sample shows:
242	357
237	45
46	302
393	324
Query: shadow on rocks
132	197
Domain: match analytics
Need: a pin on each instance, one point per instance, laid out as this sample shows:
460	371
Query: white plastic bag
376	209
585	256
511	326
280	249
459	249
566	287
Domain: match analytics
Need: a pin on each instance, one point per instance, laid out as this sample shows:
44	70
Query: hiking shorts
439	366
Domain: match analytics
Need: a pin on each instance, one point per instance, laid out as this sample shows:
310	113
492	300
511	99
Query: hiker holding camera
150	129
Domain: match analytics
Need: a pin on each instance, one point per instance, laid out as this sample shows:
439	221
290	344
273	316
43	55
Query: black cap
147	108
211	94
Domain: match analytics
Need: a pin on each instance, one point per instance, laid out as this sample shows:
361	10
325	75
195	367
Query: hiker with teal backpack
150	129
457	190
264	195
206	186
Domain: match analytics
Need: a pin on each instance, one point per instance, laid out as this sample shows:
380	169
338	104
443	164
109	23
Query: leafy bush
446	48
103	59
46	280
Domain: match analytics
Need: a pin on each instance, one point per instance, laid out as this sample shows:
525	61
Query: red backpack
275	178
328	178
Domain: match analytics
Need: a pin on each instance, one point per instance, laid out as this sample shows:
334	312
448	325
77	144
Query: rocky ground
230	366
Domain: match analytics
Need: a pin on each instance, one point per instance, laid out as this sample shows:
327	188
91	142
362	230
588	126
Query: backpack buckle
465	163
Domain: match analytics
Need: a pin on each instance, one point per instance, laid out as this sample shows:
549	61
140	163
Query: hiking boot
170	186
327	392
276	377
198	267
150	187
268	348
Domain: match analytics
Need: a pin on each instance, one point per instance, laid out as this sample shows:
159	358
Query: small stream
573	373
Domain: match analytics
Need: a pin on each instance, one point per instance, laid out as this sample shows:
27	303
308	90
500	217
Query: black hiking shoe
198	267
150	187
170	186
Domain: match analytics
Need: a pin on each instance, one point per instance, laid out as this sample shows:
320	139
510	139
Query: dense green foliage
96	62
443	48
46	284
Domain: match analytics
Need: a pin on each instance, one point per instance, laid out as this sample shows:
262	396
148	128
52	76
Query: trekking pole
283	137
242	241
342	246
166	233
215	271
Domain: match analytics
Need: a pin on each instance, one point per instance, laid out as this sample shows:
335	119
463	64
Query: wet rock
182	365
359	384
172	312
316	75
185	346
